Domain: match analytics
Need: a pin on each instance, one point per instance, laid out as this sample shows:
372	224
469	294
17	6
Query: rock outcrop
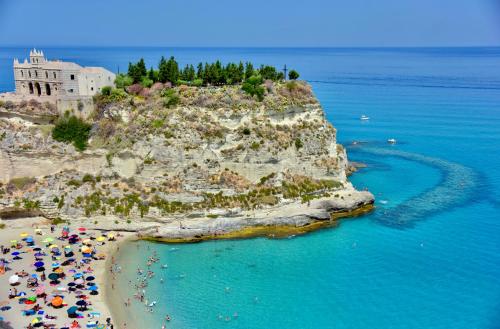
216	162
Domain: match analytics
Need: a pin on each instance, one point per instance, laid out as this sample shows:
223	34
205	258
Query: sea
427	257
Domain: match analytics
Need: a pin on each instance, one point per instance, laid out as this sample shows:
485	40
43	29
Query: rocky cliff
184	162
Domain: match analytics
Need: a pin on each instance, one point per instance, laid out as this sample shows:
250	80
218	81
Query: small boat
391	141
364	117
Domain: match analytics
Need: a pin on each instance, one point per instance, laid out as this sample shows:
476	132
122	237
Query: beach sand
13	318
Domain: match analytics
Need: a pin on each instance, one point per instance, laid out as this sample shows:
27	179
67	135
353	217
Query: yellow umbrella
53	246
110	236
35	321
13	241
87	241
23	235
86	250
101	239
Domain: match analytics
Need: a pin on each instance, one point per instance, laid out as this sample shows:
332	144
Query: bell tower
37	57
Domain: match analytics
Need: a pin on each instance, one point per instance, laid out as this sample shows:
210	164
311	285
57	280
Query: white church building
41	77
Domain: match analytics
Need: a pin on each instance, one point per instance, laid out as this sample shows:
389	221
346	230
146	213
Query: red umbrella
82	229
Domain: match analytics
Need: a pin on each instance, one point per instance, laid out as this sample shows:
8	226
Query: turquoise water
428	257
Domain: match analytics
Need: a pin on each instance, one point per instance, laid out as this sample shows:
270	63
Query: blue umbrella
90	278
93	288
39	264
39	254
77	275
72	310
55	265
15	253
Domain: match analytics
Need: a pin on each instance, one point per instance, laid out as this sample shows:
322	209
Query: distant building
41	77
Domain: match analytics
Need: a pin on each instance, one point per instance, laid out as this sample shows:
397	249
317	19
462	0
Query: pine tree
249	71
162	68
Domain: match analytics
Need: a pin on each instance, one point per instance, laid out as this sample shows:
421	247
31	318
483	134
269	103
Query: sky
250	23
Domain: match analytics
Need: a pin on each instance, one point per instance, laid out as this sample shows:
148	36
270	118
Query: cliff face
212	158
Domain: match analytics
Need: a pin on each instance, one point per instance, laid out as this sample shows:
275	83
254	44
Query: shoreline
286	220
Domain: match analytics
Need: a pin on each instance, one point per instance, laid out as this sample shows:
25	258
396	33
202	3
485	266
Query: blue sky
317	23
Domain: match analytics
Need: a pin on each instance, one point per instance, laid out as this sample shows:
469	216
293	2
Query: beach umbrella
53	276
101	238
13	242
53	246
37	248
29	239
90	278
57	301
16	253
14	279
36	320
23	235
58	270
39	264
55	265
5	308
72	310
40	269
92	288
77	275
82	229
39	254
81	303
71	284
79	281
48	240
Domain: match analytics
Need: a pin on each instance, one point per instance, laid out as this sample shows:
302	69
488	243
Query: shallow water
428	257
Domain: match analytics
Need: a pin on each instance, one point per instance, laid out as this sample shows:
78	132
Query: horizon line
255	47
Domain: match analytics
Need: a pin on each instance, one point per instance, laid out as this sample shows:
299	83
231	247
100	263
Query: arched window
31	87
36	73
47	89
46	74
29	73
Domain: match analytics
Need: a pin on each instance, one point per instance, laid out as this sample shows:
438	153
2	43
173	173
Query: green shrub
88	178
293	75
255	146
146	82
170	98
122	81
197	83
298	143
253	87
106	91
70	129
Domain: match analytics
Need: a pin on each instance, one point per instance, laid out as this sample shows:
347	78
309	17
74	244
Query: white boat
391	141
364	117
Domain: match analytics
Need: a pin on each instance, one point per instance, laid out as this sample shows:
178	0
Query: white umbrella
14	279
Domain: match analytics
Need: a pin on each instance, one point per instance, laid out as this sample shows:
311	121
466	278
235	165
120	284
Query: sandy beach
22	261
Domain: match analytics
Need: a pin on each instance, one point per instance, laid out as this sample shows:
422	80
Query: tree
253	87
153	75
268	72
137	71
249	71
162	70
200	72
293	75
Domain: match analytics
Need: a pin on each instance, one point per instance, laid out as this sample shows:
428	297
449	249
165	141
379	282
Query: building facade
41	77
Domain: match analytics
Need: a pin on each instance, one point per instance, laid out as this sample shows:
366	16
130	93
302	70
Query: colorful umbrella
23	235
57	301
39	264
53	276
48	240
